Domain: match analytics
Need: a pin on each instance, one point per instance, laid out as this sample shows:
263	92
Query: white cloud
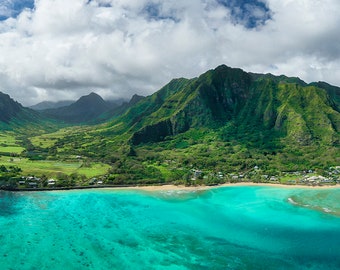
63	49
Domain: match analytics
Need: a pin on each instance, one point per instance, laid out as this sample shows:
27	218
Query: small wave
292	201
176	192
327	210
179	195
313	207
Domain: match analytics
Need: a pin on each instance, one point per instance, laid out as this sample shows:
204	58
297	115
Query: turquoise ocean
233	227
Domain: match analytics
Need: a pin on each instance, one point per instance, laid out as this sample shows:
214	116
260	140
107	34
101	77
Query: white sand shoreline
172	187
197	188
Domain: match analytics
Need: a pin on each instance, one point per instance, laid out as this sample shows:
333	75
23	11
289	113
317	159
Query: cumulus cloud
64	49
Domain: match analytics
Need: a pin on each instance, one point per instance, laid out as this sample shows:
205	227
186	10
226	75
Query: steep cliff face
302	114
210	100
332	91
153	133
309	114
251	104
8	108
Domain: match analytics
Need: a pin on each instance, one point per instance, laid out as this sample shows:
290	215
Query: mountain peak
92	96
85	109
253	103
135	98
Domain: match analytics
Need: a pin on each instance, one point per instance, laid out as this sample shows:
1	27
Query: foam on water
224	228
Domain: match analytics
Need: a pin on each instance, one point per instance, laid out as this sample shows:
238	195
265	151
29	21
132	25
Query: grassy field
53	168
8	144
49	139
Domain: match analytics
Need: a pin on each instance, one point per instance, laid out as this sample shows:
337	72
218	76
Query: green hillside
226	120
15	117
224	123
225	97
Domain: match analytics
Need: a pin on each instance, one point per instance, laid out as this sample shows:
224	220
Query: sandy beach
195	188
176	187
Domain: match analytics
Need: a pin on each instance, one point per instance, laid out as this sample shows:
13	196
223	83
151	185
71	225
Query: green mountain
117	109
9	108
224	122
85	109
257	108
333	91
90	109
13	116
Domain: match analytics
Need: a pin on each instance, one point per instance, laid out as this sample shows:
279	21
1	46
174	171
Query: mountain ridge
225	120
227	94
85	109
15	117
220	96
89	109
44	105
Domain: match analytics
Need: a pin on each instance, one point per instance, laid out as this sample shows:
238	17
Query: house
197	174
93	181
317	180
325	180
31	181
51	182
32	178
273	178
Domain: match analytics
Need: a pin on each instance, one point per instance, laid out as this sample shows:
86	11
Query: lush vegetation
226	125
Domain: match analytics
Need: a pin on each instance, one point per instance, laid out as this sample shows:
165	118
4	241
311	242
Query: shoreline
244	184
172	187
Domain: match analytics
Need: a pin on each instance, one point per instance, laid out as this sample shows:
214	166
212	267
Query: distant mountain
51	105
13	116
83	110
241	105
90	109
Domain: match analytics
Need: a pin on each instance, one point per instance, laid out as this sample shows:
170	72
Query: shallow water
223	228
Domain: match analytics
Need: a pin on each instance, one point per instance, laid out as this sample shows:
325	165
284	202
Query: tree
3	168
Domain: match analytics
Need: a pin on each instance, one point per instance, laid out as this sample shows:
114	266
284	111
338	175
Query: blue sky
250	13
12	8
62	49
241	10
